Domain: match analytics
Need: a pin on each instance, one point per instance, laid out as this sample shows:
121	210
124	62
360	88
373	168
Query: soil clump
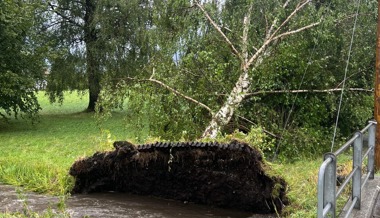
224	175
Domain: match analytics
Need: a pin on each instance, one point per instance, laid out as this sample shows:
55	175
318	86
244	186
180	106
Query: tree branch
270	37
256	55
295	11
352	75
234	50
44	28
174	91
296	31
297	91
308	91
246	23
68	19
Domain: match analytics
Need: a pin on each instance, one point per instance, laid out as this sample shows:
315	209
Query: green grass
38	156
302	177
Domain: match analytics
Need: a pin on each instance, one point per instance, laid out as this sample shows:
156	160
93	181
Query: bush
300	143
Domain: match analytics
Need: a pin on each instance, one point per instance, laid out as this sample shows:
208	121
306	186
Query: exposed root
224	175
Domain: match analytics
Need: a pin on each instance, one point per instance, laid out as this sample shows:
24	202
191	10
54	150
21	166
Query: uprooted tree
230	175
250	41
220	59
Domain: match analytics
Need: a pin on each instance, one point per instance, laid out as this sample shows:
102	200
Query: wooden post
377	91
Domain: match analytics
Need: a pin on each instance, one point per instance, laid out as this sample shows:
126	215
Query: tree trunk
242	86
93	76
93	72
225	113
235	98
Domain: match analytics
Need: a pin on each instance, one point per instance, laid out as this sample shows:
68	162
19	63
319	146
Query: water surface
114	205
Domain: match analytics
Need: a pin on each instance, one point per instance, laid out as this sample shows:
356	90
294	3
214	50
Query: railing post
321	187
357	166
371	146
329	191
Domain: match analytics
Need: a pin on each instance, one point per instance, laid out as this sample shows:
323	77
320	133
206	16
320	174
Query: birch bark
225	113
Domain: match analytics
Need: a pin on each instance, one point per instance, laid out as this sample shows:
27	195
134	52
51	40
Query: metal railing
327	189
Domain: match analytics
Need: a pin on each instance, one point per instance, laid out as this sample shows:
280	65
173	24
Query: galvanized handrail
327	191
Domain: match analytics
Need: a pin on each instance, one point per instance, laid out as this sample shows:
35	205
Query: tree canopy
21	60
202	68
93	40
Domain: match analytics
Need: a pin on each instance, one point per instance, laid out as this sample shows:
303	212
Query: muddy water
114	205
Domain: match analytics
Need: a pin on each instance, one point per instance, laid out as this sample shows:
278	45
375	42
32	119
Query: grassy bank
38	156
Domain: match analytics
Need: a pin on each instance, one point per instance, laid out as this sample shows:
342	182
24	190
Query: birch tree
213	60
251	56
249	42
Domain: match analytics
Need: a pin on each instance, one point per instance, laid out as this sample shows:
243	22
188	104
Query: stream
113	205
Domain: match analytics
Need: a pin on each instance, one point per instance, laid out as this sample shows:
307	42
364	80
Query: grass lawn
38	156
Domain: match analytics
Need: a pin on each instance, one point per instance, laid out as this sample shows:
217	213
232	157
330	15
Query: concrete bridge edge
370	202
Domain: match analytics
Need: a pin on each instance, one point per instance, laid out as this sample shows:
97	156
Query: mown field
38	156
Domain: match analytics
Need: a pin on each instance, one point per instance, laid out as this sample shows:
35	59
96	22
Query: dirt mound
224	175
